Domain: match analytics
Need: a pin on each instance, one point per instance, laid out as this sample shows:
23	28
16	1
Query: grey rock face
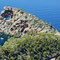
21	22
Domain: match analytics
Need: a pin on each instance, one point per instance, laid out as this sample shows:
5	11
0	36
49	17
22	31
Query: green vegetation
25	17
9	23
20	9
35	46
21	12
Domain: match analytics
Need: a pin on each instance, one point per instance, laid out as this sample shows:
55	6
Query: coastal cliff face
27	37
20	22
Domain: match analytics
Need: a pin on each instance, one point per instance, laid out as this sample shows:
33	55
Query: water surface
47	10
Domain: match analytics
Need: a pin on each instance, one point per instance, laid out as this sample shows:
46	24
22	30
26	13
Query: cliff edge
25	37
21	22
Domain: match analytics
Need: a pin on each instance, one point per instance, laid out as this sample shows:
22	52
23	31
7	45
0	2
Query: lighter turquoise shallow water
47	10
3	38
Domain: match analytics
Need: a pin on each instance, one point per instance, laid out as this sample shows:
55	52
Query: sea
47	10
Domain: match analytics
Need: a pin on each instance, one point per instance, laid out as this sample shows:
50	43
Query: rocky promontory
21	22
23	36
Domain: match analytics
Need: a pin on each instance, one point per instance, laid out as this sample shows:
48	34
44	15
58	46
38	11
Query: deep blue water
47	10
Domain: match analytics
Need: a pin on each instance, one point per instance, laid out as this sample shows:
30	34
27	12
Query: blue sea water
47	10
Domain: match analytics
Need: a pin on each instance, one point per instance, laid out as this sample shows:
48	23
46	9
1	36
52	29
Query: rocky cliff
26	37
20	22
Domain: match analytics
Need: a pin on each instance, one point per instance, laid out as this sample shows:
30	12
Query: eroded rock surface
22	22
32	46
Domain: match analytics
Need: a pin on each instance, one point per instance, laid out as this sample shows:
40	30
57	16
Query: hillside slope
33	46
28	38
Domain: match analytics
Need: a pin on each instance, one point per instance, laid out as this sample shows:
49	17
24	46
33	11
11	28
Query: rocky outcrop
33	45
21	22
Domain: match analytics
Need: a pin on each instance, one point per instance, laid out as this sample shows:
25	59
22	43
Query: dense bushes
35	46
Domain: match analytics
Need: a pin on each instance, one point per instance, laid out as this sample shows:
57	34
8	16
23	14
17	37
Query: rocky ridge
27	37
21	22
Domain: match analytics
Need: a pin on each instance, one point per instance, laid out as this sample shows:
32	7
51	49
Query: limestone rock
19	22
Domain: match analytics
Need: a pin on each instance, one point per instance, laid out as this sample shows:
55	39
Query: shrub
32	47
